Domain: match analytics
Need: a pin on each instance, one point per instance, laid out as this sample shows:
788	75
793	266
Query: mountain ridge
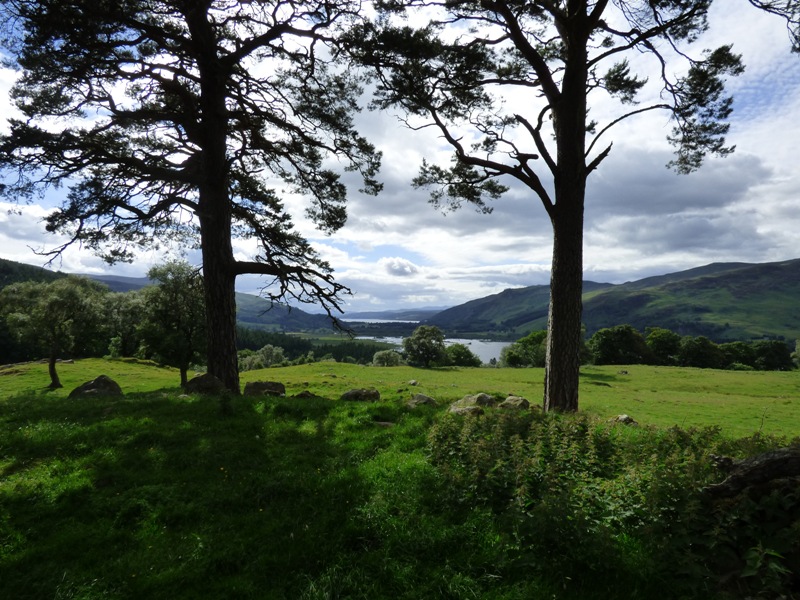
723	301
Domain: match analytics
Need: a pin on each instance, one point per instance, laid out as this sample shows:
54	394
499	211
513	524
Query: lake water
485	350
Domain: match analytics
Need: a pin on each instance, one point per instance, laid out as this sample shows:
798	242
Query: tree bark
214	204
562	364
219	285
55	382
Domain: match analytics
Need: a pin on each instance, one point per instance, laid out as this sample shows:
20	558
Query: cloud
641	219
398	267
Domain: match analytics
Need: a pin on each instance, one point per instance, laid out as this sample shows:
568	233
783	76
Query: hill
723	301
12	272
252	311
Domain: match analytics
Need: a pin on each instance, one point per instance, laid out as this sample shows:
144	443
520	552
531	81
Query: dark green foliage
529	351
425	347
620	345
664	345
459	355
359	351
608	512
254	339
56	320
14	272
173	329
772	355
701	352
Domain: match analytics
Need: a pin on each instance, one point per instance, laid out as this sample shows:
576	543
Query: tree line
76	317
625	345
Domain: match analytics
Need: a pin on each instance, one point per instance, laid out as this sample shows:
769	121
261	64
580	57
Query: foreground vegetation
160	495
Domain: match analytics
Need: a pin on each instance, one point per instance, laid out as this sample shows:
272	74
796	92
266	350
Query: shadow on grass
156	496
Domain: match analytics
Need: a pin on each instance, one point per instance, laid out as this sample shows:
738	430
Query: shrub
460	355
600	507
387	358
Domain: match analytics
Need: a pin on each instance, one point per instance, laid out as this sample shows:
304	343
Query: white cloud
641	219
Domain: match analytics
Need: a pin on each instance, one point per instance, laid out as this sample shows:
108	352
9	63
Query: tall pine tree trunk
214	202
562	367
562	364
219	285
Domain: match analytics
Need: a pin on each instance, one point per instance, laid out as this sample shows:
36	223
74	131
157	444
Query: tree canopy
57	318
193	122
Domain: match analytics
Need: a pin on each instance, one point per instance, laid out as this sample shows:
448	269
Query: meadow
164	495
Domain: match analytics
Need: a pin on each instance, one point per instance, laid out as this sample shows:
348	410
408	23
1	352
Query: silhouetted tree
170	119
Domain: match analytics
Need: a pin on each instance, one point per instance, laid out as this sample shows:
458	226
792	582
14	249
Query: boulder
472	404
419	400
101	386
264	388
476	400
303	394
624	419
204	384
515	403
362	395
465	410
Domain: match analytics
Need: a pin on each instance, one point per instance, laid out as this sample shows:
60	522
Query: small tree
123	316
58	317
174	326
738	355
772	355
425	347
459	355
387	358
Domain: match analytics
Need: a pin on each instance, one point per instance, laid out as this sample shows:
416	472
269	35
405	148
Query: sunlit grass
160	495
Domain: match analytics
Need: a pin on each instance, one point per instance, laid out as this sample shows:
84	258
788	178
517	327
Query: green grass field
160	495
739	402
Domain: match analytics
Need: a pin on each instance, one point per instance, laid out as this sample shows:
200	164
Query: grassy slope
738	402
159	496
722	301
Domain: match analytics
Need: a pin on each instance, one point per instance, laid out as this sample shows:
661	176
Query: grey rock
362	395
515	403
264	388
204	384
419	400
101	386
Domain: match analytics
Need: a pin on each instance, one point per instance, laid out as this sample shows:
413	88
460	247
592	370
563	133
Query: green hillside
12	272
252	311
724	301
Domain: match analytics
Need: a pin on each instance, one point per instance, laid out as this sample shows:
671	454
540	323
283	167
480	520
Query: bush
600	508
529	351
387	358
459	355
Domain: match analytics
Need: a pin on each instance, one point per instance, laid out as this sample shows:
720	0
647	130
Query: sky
398	252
